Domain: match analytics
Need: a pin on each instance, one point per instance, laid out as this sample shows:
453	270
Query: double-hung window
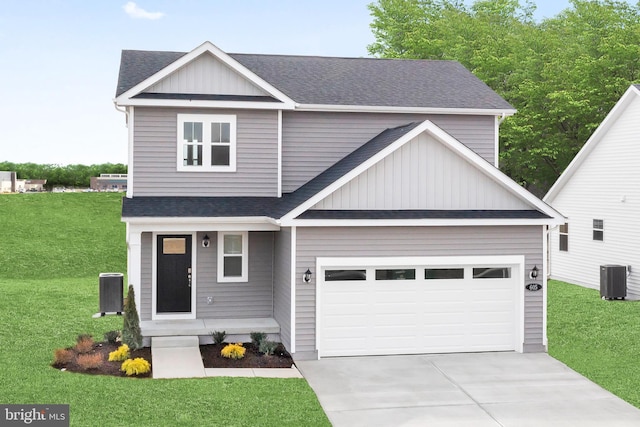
206	142
598	229
564	237
233	256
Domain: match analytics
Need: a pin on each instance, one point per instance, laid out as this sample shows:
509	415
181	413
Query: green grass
53	246
599	339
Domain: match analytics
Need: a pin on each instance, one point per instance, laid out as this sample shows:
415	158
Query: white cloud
134	11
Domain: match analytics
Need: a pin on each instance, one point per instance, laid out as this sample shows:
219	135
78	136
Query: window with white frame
233	256
598	229
206	142
564	237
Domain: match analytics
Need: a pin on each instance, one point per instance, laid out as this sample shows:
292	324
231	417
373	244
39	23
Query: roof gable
598	135
386	144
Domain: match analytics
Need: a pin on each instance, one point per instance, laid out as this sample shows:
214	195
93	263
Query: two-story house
351	206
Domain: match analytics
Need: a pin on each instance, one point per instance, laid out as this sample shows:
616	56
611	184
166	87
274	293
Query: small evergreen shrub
89	361
112	337
62	356
257	338
131	334
268	347
137	366
122	353
218	336
84	343
233	351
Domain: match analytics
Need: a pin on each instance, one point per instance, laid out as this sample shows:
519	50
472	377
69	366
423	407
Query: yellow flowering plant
122	353
137	366
233	351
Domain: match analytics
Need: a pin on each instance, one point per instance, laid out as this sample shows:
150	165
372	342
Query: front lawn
599	339
52	248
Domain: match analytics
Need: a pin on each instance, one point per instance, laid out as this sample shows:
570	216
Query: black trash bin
111	293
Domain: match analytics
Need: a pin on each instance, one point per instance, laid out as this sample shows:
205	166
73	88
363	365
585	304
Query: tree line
62	176
563	74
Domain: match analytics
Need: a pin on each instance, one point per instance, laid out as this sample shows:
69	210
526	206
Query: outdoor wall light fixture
533	274
206	241
306	277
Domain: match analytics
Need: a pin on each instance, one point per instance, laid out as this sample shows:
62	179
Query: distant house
109	182
350	206
8	182
599	193
34	185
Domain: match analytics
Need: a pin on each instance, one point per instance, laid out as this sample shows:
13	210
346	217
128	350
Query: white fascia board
183	224
391	109
419	222
453	144
591	143
199	103
185	59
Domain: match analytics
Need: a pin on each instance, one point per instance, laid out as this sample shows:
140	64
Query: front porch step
203	327
174	341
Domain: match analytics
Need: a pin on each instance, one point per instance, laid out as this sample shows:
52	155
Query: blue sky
59	59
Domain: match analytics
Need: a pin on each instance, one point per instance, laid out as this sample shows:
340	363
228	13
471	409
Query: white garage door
411	309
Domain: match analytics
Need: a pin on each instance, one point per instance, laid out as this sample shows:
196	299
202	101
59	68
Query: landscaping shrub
112	337
233	351
131	334
268	347
137	366
89	361
62	356
122	353
218	336
84	343
257	338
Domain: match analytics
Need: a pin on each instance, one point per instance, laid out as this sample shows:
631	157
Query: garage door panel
377	317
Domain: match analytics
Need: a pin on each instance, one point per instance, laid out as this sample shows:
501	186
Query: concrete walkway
179	357
483	389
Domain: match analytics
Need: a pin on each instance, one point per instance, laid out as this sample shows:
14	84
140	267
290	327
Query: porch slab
199	327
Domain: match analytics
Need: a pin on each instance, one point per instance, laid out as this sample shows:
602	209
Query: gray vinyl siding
155	156
146	276
313	141
282	284
423	174
236	300
415	241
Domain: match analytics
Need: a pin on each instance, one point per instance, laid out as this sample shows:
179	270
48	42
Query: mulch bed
252	358
107	368
211	358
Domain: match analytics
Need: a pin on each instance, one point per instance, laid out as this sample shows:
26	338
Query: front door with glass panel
174	274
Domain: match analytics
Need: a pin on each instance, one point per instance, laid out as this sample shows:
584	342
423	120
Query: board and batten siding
313	141
422	174
606	186
236	300
282	284
146	276
415	241
155	155
206	75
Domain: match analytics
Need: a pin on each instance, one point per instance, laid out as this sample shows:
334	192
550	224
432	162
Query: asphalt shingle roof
343	81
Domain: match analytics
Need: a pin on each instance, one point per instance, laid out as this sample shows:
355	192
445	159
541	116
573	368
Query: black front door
174	274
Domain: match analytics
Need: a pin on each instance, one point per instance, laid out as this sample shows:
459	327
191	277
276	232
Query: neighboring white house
599	193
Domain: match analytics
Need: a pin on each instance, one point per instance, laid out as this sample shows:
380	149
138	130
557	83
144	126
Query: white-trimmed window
233	256
564	237
206	142
598	229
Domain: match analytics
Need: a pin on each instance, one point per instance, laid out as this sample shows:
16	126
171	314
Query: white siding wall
422	174
415	241
596	191
311	142
155	156
206	75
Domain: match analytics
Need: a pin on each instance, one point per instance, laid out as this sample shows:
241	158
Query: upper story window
564	237
598	229
206	142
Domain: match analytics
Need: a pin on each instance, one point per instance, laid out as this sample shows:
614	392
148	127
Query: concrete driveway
481	389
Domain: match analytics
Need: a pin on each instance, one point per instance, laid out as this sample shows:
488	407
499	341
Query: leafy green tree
562	74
